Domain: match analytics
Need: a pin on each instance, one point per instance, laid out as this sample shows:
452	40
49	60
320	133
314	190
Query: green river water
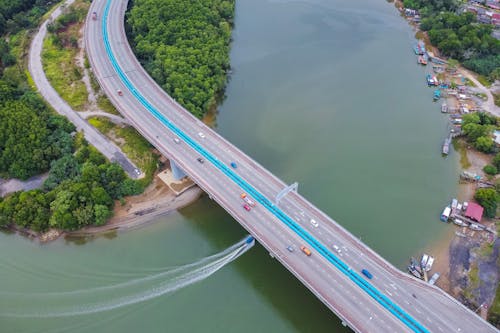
323	92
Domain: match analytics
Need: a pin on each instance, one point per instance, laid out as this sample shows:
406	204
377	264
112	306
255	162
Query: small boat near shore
426	262
446	145
460	223
434	278
421	60
444	108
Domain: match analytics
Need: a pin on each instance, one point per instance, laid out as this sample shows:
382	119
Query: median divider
265	202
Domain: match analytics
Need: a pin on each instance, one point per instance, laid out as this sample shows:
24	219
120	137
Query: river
323	92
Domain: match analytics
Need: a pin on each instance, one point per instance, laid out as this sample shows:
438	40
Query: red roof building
474	211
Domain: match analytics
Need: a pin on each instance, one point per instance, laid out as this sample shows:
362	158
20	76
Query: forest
82	185
459	36
184	45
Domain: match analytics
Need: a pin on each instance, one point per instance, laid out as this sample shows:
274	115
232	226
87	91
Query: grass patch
138	149
461	147
494	313
63	74
469	83
484	80
486	250
105	105
474	277
496	98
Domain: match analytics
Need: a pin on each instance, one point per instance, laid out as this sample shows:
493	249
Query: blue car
233	164
366	273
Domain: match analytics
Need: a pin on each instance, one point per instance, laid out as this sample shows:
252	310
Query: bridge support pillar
177	172
285	191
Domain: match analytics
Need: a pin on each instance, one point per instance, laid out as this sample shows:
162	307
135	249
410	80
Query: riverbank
129	214
466	259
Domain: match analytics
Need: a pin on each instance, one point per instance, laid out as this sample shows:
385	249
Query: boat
434	278
428	266
460	234
460	223
446	150
421	60
423	261
445	215
437	94
414	272
444	108
475	226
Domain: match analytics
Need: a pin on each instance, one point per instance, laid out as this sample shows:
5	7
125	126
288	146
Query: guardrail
308	238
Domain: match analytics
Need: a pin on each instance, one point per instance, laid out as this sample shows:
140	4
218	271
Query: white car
137	171
201	135
314	223
176	140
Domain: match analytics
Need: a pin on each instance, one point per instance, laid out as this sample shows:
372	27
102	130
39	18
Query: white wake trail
187	276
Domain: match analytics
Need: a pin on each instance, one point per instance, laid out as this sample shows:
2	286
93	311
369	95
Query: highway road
391	301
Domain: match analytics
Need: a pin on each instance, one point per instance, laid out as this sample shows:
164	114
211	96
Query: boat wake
105	298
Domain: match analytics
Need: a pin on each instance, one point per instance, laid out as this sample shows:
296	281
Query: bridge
391	301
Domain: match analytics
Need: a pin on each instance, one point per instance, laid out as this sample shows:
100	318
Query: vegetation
494	313
488	199
138	149
184	45
81	186
477	128
459	35
60	49
16	15
490	170
80	191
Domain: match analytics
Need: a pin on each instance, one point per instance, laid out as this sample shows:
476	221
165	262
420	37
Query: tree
484	144
488	199
101	214
490	170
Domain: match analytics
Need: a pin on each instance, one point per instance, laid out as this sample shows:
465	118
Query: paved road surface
93	136
431	307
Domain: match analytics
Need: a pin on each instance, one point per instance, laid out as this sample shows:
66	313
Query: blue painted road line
320	248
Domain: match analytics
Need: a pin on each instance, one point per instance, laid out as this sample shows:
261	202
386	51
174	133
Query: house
474	211
493	4
495	19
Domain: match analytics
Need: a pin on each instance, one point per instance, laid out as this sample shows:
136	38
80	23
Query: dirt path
13	185
488	105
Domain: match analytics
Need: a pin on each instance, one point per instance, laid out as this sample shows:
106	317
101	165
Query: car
119	92
243	195
247	207
248	201
337	248
305	250
137	171
314	223
176	140
201	135
94	16
367	273
233	165
199	159
290	248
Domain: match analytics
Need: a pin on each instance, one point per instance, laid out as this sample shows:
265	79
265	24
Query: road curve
93	136
390	302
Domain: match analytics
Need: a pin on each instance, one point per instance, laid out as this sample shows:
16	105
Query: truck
366	273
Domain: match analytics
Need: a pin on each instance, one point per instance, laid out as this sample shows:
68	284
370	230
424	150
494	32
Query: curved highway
389	302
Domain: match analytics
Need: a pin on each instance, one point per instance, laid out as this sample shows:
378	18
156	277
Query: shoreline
458	258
